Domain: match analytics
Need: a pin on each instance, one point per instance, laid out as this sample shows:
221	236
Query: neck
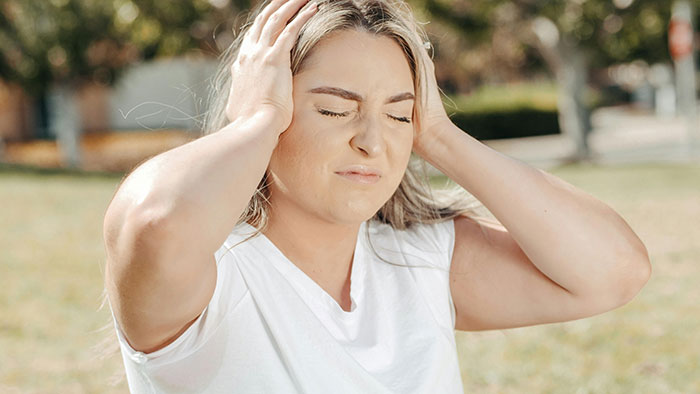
314	244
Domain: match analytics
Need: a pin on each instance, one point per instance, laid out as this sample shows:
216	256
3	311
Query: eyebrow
348	95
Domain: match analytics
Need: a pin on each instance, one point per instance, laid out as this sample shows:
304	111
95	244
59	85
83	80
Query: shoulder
419	239
425	252
242	235
431	233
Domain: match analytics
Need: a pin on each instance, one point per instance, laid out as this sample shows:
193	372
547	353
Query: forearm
197	191
573	238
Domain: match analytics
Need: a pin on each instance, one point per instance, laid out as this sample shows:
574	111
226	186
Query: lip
360	173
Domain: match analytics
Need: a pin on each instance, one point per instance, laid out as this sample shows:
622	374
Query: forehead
358	61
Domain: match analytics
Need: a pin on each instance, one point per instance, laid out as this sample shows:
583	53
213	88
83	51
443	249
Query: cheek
407	146
401	149
401	155
297	160
285	160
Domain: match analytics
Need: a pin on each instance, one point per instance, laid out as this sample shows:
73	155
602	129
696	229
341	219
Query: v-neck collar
315	294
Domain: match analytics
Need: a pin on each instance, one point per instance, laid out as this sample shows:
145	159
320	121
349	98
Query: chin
353	220
353	213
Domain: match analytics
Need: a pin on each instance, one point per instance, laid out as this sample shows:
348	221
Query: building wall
169	93
15	113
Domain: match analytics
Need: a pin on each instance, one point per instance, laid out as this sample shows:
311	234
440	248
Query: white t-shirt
269	328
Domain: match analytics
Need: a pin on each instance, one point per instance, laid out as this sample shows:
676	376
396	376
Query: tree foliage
611	31
608	31
46	41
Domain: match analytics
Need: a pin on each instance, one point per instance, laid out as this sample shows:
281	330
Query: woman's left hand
435	119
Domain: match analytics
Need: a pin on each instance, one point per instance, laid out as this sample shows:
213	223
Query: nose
369	138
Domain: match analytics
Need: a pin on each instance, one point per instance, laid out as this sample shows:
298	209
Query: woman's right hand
261	75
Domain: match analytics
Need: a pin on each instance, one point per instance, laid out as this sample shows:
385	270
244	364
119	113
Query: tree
63	44
572	37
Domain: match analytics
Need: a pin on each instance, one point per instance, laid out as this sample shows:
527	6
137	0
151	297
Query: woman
253	259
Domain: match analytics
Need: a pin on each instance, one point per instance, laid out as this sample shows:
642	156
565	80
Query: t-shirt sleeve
442	235
229	290
429	247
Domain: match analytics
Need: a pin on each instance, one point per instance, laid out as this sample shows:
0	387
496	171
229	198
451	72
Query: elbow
620	287
134	234
149	231
635	277
631	276
637	270
629	270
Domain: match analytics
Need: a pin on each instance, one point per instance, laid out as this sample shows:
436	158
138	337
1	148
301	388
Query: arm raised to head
172	213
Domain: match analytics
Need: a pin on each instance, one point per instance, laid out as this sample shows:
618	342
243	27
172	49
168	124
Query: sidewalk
620	135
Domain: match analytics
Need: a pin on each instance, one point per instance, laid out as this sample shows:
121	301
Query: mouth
360	178
360	174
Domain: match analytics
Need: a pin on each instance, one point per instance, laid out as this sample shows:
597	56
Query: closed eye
338	115
400	119
333	114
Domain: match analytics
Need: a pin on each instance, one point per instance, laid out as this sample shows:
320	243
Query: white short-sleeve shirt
269	328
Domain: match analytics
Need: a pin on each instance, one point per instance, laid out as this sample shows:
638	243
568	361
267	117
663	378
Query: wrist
431	142
447	148
263	121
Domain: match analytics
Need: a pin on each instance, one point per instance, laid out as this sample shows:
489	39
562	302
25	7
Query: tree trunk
41	117
574	115
66	123
569	63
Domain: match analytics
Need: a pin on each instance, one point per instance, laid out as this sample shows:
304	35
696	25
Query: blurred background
601	93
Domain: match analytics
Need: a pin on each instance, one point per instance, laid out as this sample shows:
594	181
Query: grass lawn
51	281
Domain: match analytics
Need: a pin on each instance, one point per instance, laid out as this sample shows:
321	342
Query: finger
261	19
289	35
278	20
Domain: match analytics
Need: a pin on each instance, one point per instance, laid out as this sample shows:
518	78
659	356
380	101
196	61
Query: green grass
488	98
51	281
512	96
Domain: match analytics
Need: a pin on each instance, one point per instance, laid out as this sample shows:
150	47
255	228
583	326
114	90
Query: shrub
508	111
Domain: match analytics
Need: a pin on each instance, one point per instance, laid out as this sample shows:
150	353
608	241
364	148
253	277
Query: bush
507	123
508	111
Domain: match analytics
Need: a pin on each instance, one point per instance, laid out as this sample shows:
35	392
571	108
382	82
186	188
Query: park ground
52	263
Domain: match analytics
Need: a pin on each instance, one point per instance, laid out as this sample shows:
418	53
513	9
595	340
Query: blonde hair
413	201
